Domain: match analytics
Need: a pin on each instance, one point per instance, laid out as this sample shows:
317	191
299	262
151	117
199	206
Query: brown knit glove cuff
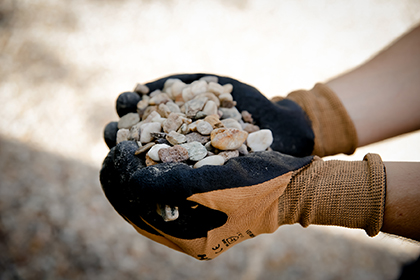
334	130
341	193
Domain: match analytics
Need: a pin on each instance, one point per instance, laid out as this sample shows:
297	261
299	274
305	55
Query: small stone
227	104
210	108
147	129
177	87
173	107
142	106
149	161
231	123
160	98
227	88
148	111
128	120
151	117
243	150
196	151
183	129
174	121
194	136
214	120
260	140
135	132
215	88
232	113
249	127
198	87
154	93
204	128
186	95
208	146
143	148
173	154
225	97
228	138
169	82
163	110
229	154
209	79
246	116
200	115
122	135
211	160
176	138
210	96
153	152
142	89
194	105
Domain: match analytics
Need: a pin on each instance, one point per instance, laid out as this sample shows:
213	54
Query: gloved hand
319	125
220	206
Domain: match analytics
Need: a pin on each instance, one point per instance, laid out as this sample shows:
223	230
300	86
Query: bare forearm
402	210
382	96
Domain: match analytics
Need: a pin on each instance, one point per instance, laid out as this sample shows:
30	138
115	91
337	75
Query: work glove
221	206
306	122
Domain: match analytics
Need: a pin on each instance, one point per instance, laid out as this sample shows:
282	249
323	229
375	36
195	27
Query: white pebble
198	87
175	138
153	152
227	88
260	140
122	135
147	129
209	79
211	160
225	97
215	88
210	108
204	128
128	120
231	123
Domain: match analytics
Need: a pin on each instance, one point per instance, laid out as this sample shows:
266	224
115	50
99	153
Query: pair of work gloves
220	206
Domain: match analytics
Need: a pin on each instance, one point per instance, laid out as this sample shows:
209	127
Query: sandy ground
63	64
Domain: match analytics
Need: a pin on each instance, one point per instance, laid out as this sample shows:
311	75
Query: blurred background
64	63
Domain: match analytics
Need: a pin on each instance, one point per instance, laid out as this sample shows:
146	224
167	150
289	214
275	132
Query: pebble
142	106
243	150
159	98
164	110
227	88
135	132
122	135
128	120
177	87
198	87
195	136
147	129
148	111
169	82
173	107
211	160
230	113
209	79
142	89
228	138
215	88
225	97
214	120
196	151
231	123
174	121
176	138
228	104
194	105
229	154
210	108
149	161
144	148
210	96
153	152
247	117
260	140
204	128
249	127
173	154
186	95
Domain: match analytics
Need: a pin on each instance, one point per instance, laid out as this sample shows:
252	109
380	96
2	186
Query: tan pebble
128	120
227	138
247	117
169	82
187	94
135	132
141	89
260	140
154	150
122	135
144	148
225	97
211	160
215	88
154	93
174	108
249	127
231	123
231	113
204	128
209	79
198	87
227	104
229	154
152	116
210	108
147	129
214	120
159	98
148	111
174	122
142	106
176	138
149	161
193	106
164	110
227	88
173	154
176	88
210	96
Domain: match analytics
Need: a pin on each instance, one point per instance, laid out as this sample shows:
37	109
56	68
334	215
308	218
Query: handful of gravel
195	123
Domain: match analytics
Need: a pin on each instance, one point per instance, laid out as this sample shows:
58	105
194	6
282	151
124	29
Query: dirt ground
62	66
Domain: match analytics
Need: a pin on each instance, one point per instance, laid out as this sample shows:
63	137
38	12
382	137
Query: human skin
382	98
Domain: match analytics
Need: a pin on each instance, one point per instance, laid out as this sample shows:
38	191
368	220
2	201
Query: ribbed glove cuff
333	128
341	193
